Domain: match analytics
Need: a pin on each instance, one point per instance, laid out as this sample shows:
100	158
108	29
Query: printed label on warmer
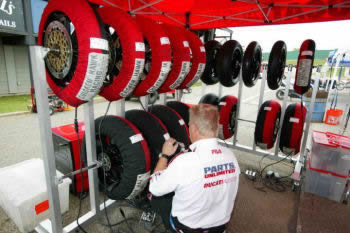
185	68
140	47
198	74
181	122
186	44
135	78
95	75
222	103
164	40
267	108
140	185
202	49
98	43
307	53
162	76
166	136
303	74
294	120
136	138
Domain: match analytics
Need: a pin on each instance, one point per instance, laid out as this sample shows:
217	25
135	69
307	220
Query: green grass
15	103
316	62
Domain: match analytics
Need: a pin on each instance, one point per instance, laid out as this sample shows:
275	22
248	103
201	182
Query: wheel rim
58	40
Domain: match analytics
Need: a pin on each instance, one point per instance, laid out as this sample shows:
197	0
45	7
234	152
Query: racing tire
229	62
292	129
267	124
197	62
127	51
127	160
182	109
174	123
209	76
251	64
209	99
304	67
277	63
153	130
76	72
180	56
157	56
228	115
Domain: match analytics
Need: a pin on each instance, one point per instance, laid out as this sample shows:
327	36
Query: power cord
104	168
76	127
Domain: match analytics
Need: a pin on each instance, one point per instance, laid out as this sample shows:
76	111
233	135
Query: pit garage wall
14	69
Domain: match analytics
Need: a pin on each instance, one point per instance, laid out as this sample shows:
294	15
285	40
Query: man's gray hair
206	117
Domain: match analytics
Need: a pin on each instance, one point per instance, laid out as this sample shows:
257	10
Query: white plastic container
23	194
330	152
325	184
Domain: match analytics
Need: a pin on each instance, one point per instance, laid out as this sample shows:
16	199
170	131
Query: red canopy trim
204	14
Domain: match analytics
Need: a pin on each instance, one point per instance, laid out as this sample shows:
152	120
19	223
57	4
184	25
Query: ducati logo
7	7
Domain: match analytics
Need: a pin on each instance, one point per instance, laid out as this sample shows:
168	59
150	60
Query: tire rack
301	157
37	55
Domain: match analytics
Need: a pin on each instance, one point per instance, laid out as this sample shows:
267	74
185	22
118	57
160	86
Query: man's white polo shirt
205	182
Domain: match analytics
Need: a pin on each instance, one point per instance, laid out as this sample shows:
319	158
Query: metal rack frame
301	158
54	225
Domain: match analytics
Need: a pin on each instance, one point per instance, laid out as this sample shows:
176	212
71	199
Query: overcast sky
327	35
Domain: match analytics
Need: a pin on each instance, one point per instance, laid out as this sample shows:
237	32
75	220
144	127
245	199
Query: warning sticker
136	138
181	122
202	49
140	185
267	108
185	68
294	120
307	53
186	44
164	40
98	43
162	76
198	74
135	78
95	74
140	47
222	103
303	74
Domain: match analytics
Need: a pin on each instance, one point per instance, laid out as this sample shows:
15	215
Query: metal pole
240	91
286	93
162	98
37	54
262	91
178	95
203	89
120	107
220	90
90	140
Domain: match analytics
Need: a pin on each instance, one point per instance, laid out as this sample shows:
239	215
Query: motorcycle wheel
280	94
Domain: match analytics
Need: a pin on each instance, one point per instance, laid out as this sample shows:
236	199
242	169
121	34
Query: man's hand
169	147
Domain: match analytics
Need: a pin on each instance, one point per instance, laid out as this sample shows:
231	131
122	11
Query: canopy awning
205	14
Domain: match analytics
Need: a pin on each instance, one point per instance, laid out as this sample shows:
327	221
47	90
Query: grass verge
14	103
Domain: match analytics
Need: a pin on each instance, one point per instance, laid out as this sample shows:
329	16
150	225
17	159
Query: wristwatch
161	155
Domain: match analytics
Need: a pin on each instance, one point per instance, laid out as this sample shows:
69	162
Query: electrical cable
76	127
104	168
143	107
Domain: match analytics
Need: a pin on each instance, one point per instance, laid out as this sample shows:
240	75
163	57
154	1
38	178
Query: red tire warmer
180	57
83	86
133	50
198	60
267	124
304	67
292	129
228	113
161	56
